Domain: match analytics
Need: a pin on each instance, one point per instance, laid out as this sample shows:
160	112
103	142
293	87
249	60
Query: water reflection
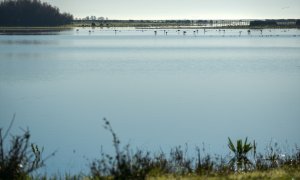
158	91
33	31
26	42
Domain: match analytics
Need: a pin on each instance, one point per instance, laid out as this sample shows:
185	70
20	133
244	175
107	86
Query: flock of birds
195	32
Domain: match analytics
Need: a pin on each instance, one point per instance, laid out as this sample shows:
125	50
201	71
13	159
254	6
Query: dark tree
31	13
298	22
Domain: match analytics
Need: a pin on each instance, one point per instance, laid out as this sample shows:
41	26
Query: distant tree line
31	13
278	22
263	23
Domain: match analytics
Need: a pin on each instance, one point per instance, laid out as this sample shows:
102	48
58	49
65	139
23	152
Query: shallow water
157	91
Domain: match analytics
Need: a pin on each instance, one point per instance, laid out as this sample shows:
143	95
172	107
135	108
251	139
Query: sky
181	9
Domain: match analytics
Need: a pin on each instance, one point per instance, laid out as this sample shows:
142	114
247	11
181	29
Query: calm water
157	91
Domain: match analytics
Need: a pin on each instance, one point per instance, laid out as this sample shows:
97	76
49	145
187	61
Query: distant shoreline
4	30
159	24
191	24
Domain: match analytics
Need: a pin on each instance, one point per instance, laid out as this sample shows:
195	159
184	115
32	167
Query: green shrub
21	158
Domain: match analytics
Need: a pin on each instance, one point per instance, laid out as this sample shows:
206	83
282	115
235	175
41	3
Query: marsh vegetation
21	158
127	163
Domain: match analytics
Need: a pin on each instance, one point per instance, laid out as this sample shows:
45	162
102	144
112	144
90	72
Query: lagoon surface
157	91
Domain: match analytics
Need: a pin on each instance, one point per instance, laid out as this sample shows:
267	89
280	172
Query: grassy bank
180	24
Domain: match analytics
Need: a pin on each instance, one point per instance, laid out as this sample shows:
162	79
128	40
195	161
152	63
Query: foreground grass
288	173
281	173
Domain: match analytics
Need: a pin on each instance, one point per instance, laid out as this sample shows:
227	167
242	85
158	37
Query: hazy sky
181	9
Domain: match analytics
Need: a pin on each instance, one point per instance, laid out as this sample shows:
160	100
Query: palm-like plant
240	160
